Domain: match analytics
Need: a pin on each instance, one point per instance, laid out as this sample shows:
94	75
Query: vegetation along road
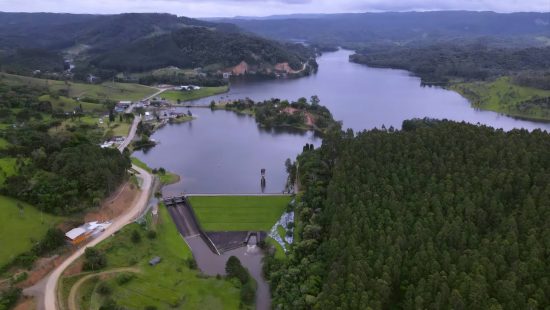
118	223
73	302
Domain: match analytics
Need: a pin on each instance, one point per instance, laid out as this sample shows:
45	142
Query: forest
198	47
355	30
105	45
441	64
437	215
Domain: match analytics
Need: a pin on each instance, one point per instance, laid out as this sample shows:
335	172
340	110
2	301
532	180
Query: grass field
229	213
174	95
170	284
503	96
68	104
107	90
3	144
7	168
18	232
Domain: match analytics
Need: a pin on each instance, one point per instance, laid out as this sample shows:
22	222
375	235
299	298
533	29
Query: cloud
218	8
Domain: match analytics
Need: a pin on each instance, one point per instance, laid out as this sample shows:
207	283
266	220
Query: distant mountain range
402	27
134	43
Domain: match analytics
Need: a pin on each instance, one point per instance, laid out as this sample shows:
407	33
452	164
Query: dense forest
441	63
199	47
357	30
437	215
59	169
104	45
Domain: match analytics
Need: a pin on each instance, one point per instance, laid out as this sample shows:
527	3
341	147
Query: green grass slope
168	285
228	213
18	232
504	97
107	90
174	95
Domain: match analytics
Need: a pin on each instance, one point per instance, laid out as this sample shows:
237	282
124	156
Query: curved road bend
50	295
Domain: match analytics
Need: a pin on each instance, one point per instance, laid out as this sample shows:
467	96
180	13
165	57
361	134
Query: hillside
440	215
104	45
354	30
198	47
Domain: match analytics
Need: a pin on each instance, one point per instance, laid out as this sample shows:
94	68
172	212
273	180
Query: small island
276	113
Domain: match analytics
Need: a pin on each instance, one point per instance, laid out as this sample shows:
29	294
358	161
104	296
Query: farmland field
229	213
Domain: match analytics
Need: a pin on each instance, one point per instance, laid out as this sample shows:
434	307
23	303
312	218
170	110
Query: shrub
104	289
151	234
94	259
136	237
124	278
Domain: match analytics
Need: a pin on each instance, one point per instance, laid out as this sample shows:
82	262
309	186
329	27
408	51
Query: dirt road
50	295
73	303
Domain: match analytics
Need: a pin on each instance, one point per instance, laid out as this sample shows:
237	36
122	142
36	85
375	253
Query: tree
94	259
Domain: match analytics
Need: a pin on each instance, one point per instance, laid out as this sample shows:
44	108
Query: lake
222	152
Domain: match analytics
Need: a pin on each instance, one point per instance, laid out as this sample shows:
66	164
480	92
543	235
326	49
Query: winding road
48	286
73	302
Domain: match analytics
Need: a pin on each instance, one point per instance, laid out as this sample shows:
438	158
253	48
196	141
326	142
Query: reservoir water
222	152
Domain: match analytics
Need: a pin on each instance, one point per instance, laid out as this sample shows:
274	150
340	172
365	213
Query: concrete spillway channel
212	250
186	221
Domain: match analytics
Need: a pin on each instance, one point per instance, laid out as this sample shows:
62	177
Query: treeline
442	63
437	215
26	61
300	114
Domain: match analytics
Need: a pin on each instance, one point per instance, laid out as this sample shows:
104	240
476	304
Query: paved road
50	298
131	134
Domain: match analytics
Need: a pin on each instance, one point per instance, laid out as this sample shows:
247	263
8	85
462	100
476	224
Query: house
155	261
117	139
122	106
76	235
227	75
82	233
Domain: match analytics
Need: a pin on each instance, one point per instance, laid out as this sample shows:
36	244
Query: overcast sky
218	8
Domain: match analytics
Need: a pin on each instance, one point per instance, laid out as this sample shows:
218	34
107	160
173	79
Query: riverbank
503	96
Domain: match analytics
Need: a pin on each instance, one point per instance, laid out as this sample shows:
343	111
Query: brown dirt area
26	304
240	69
310	120
115	205
41	268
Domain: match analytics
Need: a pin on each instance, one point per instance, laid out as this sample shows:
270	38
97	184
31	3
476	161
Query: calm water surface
222	152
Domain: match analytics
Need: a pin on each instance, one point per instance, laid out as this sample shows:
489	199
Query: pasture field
20	230
504	97
174	95
107	90
234	213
